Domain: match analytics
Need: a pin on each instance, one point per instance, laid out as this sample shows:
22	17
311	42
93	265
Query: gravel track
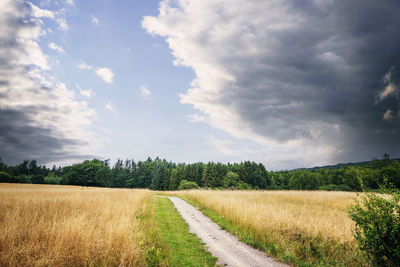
221	244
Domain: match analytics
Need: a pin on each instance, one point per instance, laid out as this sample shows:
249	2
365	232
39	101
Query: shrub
22	179
37	179
5	177
184	185
52	180
243	186
377	231
274	187
334	187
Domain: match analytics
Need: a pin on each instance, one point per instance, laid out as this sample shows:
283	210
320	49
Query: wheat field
47	225
296	226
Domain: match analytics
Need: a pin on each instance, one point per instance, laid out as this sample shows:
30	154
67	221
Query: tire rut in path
226	247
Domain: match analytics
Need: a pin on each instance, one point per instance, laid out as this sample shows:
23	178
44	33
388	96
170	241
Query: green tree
3	166
157	174
351	178
186	185
88	173
6	177
37	179
230	180
257	180
33	168
173	185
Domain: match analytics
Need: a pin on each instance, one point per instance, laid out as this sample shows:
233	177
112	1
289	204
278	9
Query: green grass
168	241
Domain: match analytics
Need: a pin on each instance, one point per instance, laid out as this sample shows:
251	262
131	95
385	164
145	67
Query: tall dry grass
296	226
70	226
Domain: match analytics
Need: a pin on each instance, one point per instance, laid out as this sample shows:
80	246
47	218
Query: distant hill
339	165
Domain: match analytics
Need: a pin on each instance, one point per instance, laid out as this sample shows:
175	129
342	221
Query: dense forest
158	174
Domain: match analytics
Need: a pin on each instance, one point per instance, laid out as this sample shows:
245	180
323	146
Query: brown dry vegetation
70	226
295	226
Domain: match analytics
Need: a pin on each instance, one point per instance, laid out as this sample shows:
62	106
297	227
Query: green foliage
159	174
343	177
213	174
243	186
37	179
173	180
230	180
21	179
52	180
257	180
352	178
377	231
185	185
274	187
6	177
334	187
88	173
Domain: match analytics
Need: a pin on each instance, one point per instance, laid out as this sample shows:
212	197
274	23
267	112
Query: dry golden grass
302	226
70	226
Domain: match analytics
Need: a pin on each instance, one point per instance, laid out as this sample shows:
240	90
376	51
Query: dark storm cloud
333	65
20	141
303	70
39	119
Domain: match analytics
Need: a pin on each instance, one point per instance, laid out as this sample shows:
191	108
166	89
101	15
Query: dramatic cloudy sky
284	82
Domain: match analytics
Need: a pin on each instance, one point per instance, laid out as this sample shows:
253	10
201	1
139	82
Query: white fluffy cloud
94	20
145	92
106	74
41	13
55	47
110	107
196	118
84	66
62	23
88	93
37	12
298	75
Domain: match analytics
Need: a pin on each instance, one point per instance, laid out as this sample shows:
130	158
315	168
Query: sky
286	83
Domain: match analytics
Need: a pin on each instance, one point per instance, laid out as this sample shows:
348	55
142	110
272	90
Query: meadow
52	225
44	225
298	227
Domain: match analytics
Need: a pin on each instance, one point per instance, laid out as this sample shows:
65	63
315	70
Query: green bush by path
377	219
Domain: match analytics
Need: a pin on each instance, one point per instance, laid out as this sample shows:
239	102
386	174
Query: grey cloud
20	141
304	70
39	119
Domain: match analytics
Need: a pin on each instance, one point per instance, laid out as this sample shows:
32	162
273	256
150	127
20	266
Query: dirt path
226	247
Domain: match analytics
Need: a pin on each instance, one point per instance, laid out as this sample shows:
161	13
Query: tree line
160	174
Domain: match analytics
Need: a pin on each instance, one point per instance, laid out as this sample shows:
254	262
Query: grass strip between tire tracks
168	241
